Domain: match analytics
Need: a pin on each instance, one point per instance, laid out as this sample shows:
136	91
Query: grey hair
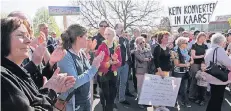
180	40
218	38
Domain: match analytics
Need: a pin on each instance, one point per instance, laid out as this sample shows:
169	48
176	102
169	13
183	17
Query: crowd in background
30	65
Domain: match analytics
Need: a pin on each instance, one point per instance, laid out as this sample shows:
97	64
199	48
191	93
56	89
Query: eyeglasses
103	26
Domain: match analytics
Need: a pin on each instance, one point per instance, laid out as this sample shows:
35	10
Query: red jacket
104	67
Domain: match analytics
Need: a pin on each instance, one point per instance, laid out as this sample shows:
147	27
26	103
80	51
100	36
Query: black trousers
134	79
183	85
201	93
108	92
217	96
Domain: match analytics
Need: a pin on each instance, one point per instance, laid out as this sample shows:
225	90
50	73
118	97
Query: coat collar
14	68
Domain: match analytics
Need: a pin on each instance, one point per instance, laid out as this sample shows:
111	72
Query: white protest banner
158	91
191	14
63	10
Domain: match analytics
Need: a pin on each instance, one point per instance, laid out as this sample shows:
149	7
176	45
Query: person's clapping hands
59	82
57	55
38	54
98	59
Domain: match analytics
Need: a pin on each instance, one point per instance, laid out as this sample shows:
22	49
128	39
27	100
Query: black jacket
19	92
125	50
99	39
132	47
37	73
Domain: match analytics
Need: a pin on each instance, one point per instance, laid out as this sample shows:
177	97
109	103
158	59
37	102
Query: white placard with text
159	91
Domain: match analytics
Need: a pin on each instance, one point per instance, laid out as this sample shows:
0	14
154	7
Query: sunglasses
103	26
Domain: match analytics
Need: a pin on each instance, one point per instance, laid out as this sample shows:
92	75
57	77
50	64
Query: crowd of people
42	73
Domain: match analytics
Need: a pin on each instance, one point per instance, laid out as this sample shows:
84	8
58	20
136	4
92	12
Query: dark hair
181	29
144	35
210	35
196	32
161	34
70	35
8	25
103	21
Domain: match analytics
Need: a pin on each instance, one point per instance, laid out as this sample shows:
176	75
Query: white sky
30	6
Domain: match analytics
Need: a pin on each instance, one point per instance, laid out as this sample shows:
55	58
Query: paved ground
134	106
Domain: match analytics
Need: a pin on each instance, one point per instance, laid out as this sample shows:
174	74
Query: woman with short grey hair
217	91
182	62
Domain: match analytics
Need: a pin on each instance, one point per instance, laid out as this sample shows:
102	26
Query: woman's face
82	41
142	43
108	35
184	45
201	39
20	41
165	39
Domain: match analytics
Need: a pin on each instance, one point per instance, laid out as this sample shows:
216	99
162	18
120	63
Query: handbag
218	71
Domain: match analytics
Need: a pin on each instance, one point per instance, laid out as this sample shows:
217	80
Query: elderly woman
108	69
75	63
142	56
217	90
19	92
197	52
182	62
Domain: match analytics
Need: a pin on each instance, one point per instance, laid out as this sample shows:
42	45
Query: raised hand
93	45
114	57
38	54
41	37
98	59
59	82
57	55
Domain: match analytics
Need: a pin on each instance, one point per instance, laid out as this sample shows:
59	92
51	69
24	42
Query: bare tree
129	12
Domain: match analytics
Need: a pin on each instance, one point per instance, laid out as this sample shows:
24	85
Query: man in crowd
123	70
99	38
136	33
43	28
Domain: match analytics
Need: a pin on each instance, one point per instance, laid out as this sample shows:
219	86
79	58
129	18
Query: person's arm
193	54
157	56
197	75
46	56
176	61
14	99
67	66
118	52
223	58
48	70
31	68
140	57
